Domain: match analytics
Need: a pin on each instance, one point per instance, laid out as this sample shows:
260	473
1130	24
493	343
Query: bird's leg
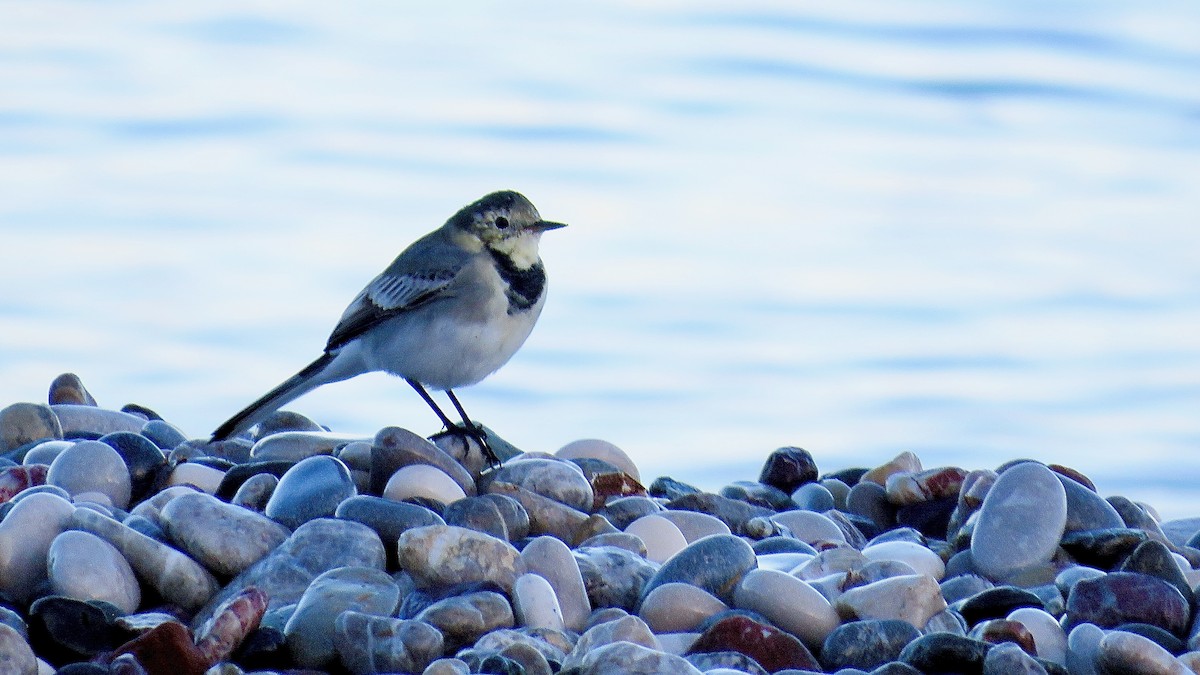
475	430
467	428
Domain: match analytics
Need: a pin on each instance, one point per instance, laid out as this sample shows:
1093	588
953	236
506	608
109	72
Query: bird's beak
543	225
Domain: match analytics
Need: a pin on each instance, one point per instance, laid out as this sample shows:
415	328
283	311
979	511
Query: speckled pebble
368	643
225	538
715	564
463	619
443	555
21	423
310	630
866	644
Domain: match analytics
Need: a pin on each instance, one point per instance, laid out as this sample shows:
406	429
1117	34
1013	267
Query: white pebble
662	538
789	603
921	559
1048	635
535	603
203	477
423	480
598	449
784	562
678	607
85	567
809	526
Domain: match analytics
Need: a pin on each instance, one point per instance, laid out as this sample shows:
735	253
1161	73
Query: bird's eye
502	223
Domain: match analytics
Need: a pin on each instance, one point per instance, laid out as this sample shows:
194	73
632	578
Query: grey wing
422	274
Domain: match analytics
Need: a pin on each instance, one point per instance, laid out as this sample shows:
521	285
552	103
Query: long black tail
295	386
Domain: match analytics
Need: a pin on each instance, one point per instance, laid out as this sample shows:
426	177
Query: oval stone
535	604
22	423
560	480
678	608
92	466
1020	523
662	538
913	598
1127	597
311	489
715	564
789	603
85	567
310	630
598	449
225	538
423	480
551	558
26	534
444	555
866	644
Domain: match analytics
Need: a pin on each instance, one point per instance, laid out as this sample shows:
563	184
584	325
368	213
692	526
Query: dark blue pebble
142	457
866	644
759	494
241	473
669	488
389	518
264	649
996	603
624	510
781	545
64	630
1102	549
140	411
163	434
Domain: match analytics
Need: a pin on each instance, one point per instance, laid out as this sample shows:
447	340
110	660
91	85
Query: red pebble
231	623
772	648
16	478
166	649
608	486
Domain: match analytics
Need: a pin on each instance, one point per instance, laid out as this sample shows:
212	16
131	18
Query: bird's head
505	222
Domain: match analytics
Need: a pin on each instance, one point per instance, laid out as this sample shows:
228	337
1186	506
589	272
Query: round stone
614	577
85	567
789	603
866	644
422	480
919	558
551	558
142	458
1127	597
814	497
788	468
678	608
311	489
25	537
597	449
559	480
715	564
92	466
22	423
163	434
810	527
1048	635
1122	652
1021	522
45	452
444	555
663	540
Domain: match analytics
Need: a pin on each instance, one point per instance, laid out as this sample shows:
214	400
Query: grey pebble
224	538
311	489
370	643
310	630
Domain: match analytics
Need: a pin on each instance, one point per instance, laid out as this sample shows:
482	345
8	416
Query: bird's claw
477	432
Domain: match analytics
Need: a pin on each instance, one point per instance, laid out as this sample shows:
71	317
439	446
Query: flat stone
1020	523
79	420
997	603
735	514
560	480
810	527
695	525
294	446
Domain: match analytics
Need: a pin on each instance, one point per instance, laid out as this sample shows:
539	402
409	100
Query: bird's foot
479	434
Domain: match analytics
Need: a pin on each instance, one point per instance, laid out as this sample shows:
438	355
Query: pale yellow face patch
521	249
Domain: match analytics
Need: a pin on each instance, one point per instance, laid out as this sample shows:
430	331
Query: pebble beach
128	546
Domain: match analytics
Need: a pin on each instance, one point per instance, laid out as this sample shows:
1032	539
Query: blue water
968	230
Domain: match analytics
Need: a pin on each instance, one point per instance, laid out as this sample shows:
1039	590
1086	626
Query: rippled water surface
971	230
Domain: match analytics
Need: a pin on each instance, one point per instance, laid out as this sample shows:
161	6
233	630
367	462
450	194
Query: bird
450	310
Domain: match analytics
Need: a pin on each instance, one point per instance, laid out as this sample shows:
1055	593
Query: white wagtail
449	311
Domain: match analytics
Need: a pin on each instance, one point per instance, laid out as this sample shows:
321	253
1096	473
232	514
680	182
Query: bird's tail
295	386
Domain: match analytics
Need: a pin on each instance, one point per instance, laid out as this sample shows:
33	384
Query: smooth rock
311	489
770	647
613	577
629	629
394	448
1020	523
297	445
389	519
905	462
695	525
516	518
1087	510
598	449
715	564
476	513
1127	597
310	630
164	650
535	604
788	468
423	480
621	658
1103	549
68	388
22	423
735	514
678	608
232	623
1154	558
815	497
663	540
91	466
726	663
546	515
1083	645
163	434
914	598
919	558
904	488
16	656
143	459
838	560
810	527
997	603
26	534
559	480
204	478
255	492
378	644
1121	652
789	603
1048	635
866	644
758	494
1009	659
463	619
45	452
623	511
315	547
77	420
85	567
65	630
870	501
224	538
443	555
552	559
946	653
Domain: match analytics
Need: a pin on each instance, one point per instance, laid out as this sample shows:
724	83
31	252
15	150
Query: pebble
45	452
477	513
424	481
598	449
560	480
552	559
678	608
15	653
912	598
535	604
83	566
788	468
26	535
83	420
463	619
199	476
789	603
92	466
662	538
394	448
919	558
22	423
770	647
311	489
1020	523
620	658
1009	659
443	555
368	643
1127	597
1122	652
905	462
224	538
294	446
68	388
310	630
1048	636
809	527
614	577
695	525
715	564
546	515
866	644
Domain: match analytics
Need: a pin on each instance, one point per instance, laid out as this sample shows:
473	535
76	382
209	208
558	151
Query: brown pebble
68	388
